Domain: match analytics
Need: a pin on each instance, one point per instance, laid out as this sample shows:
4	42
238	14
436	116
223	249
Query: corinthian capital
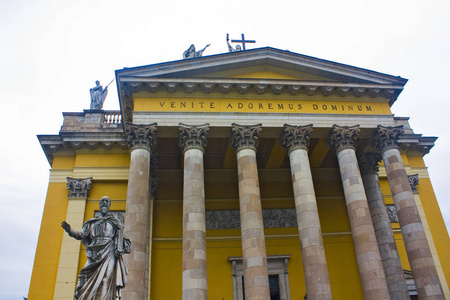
193	136
342	137
141	136
244	136
79	187
368	162
295	137
413	182
387	137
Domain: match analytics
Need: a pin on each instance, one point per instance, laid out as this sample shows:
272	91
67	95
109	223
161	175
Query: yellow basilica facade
257	174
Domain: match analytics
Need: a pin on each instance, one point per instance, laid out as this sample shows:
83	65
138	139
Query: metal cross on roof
243	41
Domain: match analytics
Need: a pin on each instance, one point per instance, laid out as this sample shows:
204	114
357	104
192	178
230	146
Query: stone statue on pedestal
98	95
105	273
191	53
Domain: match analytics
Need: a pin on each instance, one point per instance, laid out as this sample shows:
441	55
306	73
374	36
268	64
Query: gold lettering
291	106
315	107
299	107
350	107
334	107
360	107
369	108
280	106
201	104
260	106
182	104
229	106
162	104
240	105
250	105
270	106
324	107
211	104
172	104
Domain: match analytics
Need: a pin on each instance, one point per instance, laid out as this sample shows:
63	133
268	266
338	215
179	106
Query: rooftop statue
98	95
191	53
230	48
104	274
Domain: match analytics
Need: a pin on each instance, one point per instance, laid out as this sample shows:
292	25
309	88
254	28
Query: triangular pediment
269	62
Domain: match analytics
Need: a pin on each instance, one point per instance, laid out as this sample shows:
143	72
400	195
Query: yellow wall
50	236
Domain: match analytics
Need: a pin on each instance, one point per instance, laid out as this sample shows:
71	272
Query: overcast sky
51	53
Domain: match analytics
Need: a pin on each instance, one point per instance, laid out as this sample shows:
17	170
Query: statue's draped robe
104	273
98	96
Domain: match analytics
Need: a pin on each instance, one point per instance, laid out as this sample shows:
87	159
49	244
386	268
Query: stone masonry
142	141
193	141
244	140
343	140
419	255
395	279
296	141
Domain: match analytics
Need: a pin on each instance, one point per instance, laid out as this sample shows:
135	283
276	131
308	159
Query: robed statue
191	53
105	273
98	95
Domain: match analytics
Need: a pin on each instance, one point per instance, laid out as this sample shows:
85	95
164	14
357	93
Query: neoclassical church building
257	174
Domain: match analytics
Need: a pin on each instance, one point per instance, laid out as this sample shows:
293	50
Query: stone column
343	140
296	141
395	279
244	140
193	140
142	141
67	274
417	248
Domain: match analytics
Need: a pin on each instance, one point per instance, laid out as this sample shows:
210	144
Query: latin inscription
259	106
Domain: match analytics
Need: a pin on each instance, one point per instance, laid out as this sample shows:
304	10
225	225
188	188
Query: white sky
51	53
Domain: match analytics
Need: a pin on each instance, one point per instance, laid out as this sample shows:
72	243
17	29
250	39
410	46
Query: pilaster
419	255
295	140
67	274
142	141
193	140
343	140
244	140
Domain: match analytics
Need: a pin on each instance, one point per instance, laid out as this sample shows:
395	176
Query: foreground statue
104	274
98	95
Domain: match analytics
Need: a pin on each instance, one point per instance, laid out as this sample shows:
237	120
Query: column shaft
256	277
313	253
366	248
136	226
142	141
395	279
194	227
417	248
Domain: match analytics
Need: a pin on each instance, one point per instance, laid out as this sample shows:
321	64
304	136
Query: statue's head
97	83
104	204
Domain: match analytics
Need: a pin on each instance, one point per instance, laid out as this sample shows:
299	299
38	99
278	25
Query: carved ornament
387	137
413	182
368	162
392	213
141	136
79	187
343	137
244	136
295	137
230	219
193	136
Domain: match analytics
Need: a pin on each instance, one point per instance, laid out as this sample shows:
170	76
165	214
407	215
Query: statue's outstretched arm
72	233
